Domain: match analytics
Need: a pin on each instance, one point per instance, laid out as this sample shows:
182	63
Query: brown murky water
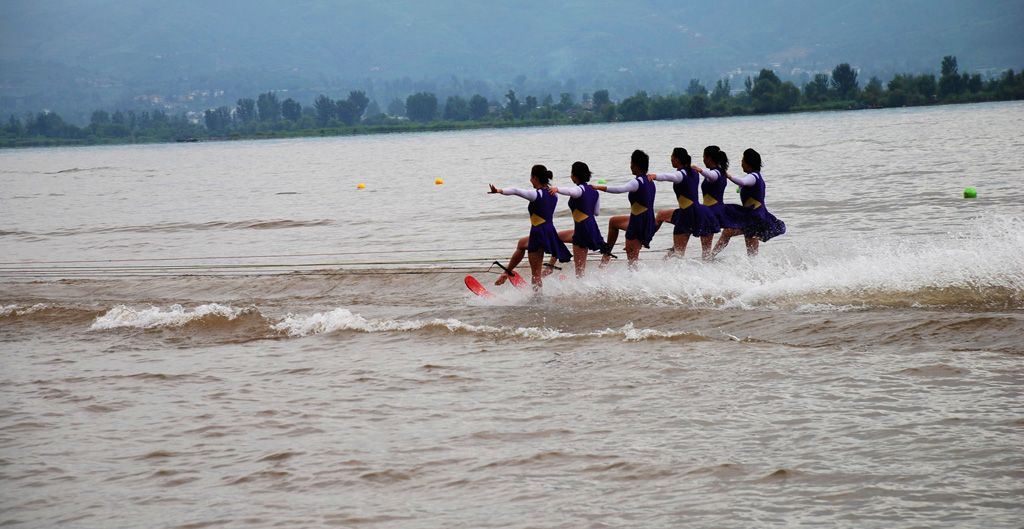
233	335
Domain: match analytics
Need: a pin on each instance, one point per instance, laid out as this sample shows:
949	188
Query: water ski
479	289
513	277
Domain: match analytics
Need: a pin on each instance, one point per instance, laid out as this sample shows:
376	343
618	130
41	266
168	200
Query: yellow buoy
438	181
360	186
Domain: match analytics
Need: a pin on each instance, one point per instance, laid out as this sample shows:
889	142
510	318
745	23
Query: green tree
949	66
456	109
816	91
325	110
529	104
926	86
844	80
974	83
765	93
218	120
359	101
665	108
513	103
478	107
695	88
635	107
99	117
14	127
722	91
601	99
268	107
291	110
346	111
245	112
788	97
950	83
564	102
421	106
47	124
872	94
697	107
396	108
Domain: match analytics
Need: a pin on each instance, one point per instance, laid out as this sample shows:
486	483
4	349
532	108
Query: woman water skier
752	219
713	188
543	236
692	217
640	223
585	204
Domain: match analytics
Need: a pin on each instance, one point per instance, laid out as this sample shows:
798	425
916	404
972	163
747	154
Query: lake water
232	334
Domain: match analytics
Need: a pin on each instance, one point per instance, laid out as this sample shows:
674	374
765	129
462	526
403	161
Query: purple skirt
545	237
696	220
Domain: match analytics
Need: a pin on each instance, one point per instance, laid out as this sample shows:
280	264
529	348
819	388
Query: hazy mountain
55	53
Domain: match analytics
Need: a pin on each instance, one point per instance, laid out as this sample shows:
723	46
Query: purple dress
641	213
714	193
692	217
753	217
543	235
586	233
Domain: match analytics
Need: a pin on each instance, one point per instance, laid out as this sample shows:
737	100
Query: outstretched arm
633	185
745	180
675	177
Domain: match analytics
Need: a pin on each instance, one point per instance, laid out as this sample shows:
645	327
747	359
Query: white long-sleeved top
633	185
528	194
675	177
710	174
745	180
577	192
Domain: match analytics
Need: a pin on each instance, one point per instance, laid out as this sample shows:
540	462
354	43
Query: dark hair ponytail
718	156
680	154
581	171
543	175
753	159
722	160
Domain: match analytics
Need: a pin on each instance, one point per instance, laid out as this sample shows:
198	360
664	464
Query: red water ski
479	289
517	280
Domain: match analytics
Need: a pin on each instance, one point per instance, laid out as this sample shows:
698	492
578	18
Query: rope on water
135	267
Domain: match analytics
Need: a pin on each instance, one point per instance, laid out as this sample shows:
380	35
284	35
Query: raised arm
709	174
629	187
744	181
574	191
675	177
528	194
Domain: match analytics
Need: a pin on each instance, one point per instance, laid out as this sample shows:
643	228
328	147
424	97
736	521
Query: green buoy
601	182
970	192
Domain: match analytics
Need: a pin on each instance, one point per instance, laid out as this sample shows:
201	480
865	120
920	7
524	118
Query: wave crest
123	316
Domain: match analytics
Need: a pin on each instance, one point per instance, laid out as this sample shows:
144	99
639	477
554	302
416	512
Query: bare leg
536	264
705	247
579	258
615	224
633	253
679	243
723	240
752	243
662	217
517	257
566	237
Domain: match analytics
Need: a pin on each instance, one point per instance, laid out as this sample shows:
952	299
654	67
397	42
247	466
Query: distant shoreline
405	127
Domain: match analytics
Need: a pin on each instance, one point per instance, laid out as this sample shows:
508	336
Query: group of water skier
693	217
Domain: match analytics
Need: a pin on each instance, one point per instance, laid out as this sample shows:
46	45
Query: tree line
764	93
